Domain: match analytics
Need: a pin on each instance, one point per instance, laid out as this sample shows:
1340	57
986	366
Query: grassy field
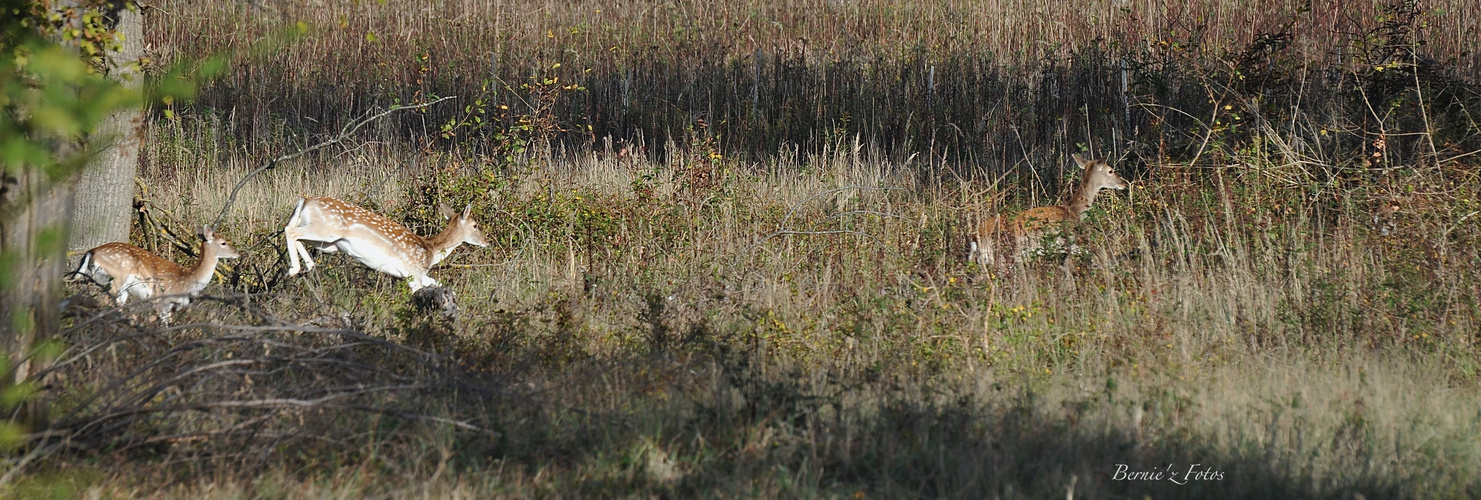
1286	299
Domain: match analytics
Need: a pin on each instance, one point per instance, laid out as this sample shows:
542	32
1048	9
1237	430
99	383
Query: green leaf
12	434
13	396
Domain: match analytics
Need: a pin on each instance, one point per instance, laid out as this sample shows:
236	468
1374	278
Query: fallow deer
381	244
130	271
1002	238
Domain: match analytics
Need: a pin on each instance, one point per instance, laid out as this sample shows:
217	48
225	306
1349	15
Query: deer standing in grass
1003	238
379	243
130	271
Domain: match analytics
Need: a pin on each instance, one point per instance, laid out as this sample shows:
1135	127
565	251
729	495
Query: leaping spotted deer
1001	239
379	243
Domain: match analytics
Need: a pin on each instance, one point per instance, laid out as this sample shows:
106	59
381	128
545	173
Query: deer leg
308	260
295	247
118	289
418	282
295	251
289	236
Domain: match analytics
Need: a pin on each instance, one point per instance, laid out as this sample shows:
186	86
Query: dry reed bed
603	34
989	86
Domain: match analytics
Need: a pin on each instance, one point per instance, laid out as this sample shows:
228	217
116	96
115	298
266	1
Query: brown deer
130	271
379	243
1001	239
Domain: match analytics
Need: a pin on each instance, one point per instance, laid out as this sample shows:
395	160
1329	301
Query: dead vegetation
1288	295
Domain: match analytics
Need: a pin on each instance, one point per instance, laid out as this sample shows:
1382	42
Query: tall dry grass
653	336
990	87
796	317
1258	258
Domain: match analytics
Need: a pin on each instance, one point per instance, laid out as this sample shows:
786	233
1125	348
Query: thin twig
864	212
815	233
1459	156
26	460
782	226
798	205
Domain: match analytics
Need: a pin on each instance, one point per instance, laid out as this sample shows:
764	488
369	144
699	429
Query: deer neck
1080	203
440	246
200	275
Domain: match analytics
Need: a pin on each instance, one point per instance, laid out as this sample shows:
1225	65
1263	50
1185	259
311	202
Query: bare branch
348	130
21	464
783	230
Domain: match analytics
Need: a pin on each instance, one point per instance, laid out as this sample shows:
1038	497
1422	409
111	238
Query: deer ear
204	231
467	210
444	211
1084	163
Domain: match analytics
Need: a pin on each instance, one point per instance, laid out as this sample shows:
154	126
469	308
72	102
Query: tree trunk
32	233
37	204
103	203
